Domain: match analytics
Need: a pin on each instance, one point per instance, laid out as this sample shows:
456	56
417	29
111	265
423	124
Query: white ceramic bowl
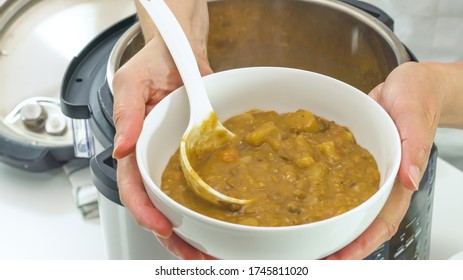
283	90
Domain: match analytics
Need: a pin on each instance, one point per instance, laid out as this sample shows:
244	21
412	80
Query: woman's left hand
412	95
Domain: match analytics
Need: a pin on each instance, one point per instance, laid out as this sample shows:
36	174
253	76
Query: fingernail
414	174
168	245
160	235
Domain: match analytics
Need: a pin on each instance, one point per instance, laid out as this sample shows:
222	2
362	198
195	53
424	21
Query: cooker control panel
412	240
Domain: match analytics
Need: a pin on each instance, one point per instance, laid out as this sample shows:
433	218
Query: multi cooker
349	40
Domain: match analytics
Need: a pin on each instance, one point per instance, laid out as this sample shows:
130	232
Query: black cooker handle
373	11
33	158
103	171
86	68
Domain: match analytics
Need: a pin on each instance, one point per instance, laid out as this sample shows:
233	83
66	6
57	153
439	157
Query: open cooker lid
37	41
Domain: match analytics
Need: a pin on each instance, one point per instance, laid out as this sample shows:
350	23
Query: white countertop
38	219
447	222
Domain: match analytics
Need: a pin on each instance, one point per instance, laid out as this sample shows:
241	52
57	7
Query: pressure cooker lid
37	41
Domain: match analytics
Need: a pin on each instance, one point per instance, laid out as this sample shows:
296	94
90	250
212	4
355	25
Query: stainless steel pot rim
117	52
386	33
393	41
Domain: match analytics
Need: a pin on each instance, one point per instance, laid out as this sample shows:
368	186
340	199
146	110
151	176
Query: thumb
417	127
415	156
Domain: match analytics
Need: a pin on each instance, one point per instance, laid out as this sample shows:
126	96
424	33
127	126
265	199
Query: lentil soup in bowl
276	111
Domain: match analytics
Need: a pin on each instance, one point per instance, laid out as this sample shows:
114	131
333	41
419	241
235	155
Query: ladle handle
183	56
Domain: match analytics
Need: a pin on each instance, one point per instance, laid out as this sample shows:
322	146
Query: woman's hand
413	96
138	86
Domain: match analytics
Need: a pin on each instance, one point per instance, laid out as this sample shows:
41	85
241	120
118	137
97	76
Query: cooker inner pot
328	37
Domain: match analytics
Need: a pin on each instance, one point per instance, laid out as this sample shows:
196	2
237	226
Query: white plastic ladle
204	131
